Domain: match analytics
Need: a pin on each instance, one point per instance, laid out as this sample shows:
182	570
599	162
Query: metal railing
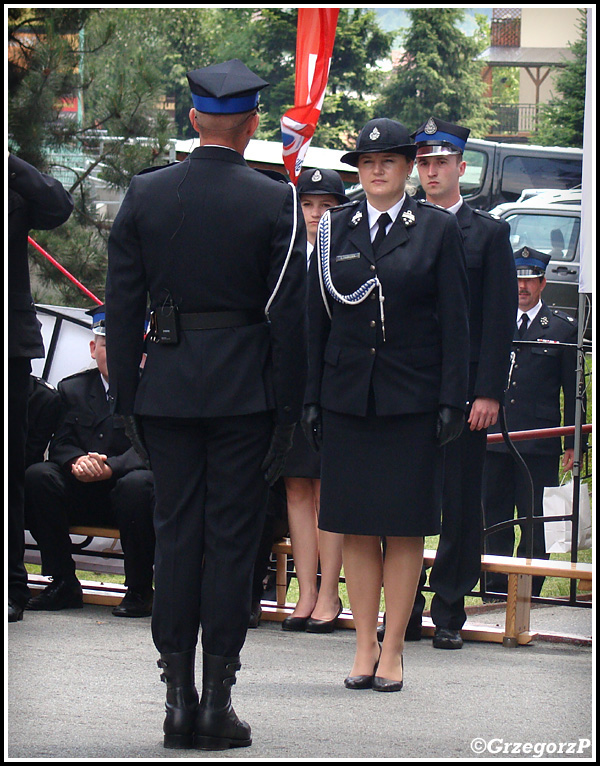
514	119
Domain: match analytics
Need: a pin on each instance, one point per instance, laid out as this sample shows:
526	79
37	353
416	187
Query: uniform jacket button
372	323
372	352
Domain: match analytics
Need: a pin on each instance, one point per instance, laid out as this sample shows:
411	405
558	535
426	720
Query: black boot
182	698
217	725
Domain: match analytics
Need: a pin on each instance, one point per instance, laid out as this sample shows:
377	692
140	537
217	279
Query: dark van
498	172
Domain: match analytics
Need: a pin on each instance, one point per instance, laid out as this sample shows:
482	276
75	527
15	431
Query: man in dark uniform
543	368
220	250
493	301
35	201
93	476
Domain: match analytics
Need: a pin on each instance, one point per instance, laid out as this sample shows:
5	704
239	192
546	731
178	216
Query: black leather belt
215	320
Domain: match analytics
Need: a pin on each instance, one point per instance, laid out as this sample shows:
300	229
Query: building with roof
535	39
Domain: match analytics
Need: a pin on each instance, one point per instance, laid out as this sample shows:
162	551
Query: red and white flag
314	48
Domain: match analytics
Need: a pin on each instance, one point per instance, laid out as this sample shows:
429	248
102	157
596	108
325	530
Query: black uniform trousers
458	559
504	486
211	499
55	500
19	369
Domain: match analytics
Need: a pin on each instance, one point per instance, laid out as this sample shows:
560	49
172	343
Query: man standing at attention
493	302
220	251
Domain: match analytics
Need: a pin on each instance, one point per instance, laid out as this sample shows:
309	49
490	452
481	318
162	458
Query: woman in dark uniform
389	350
317	610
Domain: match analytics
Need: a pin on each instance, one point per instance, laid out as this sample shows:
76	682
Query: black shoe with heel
324	626
386	684
362	682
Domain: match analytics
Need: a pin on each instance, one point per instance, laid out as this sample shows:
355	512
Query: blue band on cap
440	136
233	105
530	263
99	317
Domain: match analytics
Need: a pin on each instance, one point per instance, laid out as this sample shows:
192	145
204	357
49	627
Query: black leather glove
281	444
133	431
312	425
450	424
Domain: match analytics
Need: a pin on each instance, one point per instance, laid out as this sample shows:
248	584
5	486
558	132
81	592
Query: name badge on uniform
347	257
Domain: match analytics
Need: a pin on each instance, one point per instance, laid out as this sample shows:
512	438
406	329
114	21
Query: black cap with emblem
440	137
381	135
530	262
321	181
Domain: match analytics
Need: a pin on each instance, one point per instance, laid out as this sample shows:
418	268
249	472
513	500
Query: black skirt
381	475
302	461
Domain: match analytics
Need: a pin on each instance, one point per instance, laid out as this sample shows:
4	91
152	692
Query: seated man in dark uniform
93	477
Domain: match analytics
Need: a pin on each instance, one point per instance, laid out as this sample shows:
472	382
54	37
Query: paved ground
83	684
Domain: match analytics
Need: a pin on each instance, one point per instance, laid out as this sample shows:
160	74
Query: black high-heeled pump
324	626
362	682
386	684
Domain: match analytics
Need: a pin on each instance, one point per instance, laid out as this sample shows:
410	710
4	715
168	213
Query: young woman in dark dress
388	368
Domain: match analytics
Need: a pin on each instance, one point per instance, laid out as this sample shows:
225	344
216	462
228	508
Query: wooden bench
516	629
520	571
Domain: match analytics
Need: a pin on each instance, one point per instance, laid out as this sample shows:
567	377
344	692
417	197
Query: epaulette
345	206
275	175
486	214
564	316
156	167
433	205
79	373
43	382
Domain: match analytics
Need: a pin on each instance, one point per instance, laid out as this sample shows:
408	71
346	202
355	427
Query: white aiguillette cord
358	296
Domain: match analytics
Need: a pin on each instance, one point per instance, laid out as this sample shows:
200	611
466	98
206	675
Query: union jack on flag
314	48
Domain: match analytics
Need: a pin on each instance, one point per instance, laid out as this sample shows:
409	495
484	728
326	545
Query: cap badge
431	127
316	176
525	253
544	321
408	217
374	134
356	218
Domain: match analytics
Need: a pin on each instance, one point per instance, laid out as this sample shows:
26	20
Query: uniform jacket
214	235
423	362
35	201
493	297
540	371
87	425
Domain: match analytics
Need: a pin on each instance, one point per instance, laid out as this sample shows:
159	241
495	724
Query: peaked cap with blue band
228	88
98	314
440	137
530	262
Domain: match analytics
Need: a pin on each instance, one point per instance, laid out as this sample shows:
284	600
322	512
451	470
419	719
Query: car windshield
554	234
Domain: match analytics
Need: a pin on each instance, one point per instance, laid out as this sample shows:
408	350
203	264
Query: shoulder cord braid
358	296
289	253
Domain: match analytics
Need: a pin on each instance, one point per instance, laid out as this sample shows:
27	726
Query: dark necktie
383	220
523	325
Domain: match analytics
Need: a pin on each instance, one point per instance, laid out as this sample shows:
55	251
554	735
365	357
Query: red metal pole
62	269
540	433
